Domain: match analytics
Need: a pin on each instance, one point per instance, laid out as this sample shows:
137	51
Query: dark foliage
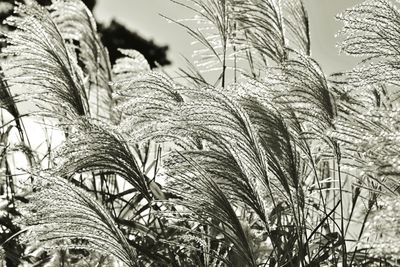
116	36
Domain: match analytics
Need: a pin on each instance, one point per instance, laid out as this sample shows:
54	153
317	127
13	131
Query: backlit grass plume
262	26
368	130
370	30
130	65
60	215
206	123
94	146
382	238
78	28
301	87
206	203
370	140
214	32
297	26
50	71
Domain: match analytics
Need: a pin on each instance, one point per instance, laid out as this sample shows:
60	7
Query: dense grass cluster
251	156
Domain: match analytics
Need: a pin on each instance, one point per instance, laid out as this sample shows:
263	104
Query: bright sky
143	16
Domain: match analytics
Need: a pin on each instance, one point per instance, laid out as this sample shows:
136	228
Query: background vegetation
253	156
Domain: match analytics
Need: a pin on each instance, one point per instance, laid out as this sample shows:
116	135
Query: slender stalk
370	205
224	42
342	231
235	56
